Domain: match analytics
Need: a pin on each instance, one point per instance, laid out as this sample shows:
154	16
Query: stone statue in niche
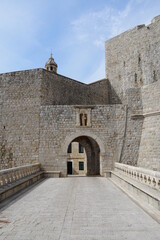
83	119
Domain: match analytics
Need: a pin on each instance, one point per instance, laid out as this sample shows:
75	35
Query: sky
74	30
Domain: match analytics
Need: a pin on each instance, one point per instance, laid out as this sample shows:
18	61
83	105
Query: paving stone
77	208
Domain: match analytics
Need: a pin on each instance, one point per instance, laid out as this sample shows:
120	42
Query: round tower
51	65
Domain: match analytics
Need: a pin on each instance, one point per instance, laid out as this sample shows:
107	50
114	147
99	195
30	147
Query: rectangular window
70	148
81	149
81	166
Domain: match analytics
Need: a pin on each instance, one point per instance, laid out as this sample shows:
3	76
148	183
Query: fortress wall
151	97
59	122
149	153
133	127
20	104
1	104
60	90
132	58
132	62
99	91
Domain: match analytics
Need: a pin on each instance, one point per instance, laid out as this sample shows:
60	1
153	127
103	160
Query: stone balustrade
11	175
146	176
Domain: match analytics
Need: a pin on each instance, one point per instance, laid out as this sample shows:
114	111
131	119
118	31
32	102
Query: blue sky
75	30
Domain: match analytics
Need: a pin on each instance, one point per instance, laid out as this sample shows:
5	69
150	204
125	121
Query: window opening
81	166
81	149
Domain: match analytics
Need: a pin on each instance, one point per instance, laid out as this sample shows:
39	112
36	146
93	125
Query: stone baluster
154	182
149	180
6	178
23	173
20	173
16	175
145	178
34	170
2	180
10	177
141	177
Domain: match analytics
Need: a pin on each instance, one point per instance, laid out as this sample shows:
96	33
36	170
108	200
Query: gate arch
94	149
70	138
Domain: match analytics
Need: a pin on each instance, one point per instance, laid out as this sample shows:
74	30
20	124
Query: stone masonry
41	111
132	67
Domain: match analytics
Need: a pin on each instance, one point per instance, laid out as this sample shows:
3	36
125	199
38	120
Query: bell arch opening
83	156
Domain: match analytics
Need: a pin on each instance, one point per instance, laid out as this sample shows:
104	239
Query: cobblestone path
76	208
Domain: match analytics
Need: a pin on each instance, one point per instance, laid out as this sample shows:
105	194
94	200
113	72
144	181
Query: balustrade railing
146	176
11	175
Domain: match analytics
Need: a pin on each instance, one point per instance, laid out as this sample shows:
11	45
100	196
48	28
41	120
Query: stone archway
94	150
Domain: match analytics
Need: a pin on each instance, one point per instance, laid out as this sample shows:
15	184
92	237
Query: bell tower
51	65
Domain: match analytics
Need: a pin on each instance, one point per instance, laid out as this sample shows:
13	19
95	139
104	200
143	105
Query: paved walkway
78	208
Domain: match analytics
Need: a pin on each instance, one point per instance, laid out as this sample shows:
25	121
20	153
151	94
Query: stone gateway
116	119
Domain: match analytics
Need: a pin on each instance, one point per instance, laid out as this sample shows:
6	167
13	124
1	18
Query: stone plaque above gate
83	116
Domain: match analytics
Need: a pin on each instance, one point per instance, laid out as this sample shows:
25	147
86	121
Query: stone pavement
76	208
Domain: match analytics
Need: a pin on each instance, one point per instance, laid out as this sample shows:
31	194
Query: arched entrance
90	163
91	140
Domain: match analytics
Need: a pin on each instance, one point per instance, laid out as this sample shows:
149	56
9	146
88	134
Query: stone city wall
60	90
133	127
20	110
132	67
38	108
149	151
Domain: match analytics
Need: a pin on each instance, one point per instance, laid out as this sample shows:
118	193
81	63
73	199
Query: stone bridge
125	205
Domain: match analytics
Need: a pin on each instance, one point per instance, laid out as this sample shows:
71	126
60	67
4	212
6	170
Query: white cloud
91	30
95	26
29	29
118	19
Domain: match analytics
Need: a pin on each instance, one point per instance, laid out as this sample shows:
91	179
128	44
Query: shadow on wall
112	95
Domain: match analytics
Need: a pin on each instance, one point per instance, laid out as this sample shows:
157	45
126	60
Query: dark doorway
69	168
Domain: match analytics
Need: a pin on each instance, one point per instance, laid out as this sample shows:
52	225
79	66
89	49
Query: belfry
51	65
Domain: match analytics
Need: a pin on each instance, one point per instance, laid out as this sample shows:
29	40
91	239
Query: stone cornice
84	106
141	116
